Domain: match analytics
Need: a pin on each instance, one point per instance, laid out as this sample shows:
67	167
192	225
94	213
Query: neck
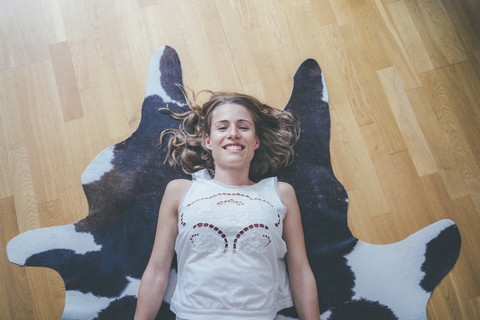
233	177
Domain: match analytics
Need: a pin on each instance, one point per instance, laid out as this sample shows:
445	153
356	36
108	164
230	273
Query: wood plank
5	181
10	112
447	102
472	10
53	20
25	36
66	81
464	85
395	48
409	35
437	32
23	190
346	72
407	195
407	122
475	305
375	109
343	11
15	294
462	19
359	177
146	3
439	144
42	123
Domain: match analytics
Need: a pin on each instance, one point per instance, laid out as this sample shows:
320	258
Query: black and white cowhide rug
102	257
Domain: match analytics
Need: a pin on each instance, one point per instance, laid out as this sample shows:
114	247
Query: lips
233	146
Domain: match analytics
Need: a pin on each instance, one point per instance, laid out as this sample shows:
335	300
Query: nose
233	133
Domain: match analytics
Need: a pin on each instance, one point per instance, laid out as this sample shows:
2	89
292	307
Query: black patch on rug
362	310
440	257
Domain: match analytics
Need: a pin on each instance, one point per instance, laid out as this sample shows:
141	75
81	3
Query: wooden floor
404	86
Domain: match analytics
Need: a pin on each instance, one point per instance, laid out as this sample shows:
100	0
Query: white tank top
230	252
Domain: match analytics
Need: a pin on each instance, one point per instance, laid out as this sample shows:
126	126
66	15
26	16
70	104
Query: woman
232	233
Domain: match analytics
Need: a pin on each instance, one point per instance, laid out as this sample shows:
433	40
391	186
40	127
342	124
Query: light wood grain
404	87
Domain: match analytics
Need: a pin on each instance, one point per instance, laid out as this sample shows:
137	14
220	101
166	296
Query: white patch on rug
100	165
154	83
392	273
172	282
23	246
324	90
326	315
80	306
132	288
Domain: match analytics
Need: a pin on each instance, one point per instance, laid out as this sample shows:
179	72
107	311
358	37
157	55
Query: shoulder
285	188
178	185
177	188
174	192
286	191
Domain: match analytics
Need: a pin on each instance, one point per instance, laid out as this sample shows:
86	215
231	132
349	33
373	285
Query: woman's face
232	137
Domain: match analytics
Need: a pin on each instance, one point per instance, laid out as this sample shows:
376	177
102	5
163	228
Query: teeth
234	147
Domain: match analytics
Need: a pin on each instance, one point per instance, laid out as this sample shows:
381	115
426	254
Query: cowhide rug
102	257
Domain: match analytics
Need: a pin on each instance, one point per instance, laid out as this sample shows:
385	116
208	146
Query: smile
234	147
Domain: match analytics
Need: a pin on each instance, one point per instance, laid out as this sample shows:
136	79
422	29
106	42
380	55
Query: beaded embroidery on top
229	194
205	239
208	238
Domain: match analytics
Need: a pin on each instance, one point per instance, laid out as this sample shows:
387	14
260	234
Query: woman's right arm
155	278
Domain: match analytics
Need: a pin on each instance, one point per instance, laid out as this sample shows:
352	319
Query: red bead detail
279	221
230	194
216	229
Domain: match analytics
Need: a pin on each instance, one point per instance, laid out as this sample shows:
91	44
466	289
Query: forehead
231	112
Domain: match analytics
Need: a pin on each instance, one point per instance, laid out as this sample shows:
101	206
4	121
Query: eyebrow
226	121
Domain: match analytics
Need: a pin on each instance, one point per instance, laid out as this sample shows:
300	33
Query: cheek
212	140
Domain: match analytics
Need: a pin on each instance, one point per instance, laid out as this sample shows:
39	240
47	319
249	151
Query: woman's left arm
302	280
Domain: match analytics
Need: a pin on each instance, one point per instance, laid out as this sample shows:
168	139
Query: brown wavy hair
278	130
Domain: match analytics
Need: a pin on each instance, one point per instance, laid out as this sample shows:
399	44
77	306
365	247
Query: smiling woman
234	227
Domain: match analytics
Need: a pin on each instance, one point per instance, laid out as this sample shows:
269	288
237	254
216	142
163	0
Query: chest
230	211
